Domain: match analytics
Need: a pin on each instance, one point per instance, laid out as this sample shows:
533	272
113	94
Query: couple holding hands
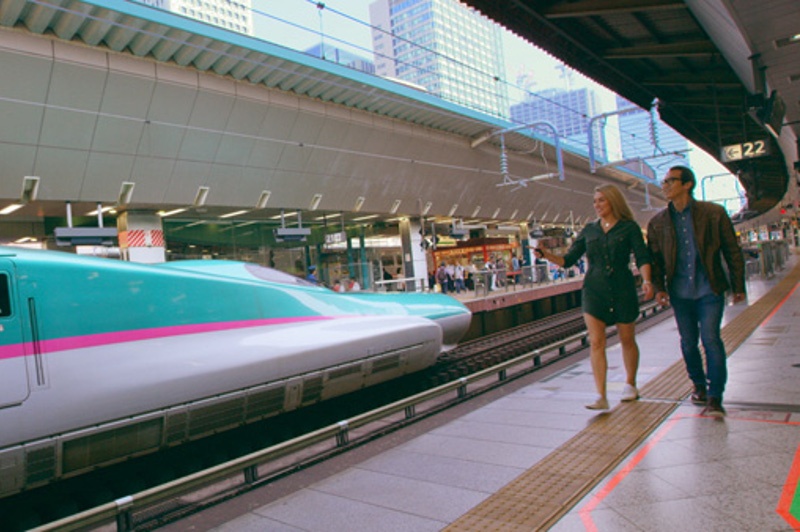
681	264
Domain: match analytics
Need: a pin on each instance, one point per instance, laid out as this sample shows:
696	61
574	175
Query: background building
449	49
644	136
342	57
569	111
235	15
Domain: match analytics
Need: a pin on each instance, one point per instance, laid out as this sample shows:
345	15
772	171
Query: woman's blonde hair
619	206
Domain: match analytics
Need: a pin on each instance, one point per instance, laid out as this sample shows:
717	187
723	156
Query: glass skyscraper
569	111
644	136
449	49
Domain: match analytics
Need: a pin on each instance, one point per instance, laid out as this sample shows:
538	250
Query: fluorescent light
427	208
30	188
361	219
25	239
278	216
476	211
327	217
125	193
232	214
164	214
104	209
201	196
359	203
315	202
453	209
11	208
263	199
395	206
496	213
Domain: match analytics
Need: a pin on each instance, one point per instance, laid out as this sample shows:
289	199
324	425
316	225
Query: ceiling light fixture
164	214
263	199
234	213
201	196
30	189
11	208
282	215
359	203
125	193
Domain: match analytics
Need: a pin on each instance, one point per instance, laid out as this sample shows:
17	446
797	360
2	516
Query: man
688	240
312	275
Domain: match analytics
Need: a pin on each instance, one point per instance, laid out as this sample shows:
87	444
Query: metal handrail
121	509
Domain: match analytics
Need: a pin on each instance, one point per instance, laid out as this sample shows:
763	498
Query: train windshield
275	276
5	298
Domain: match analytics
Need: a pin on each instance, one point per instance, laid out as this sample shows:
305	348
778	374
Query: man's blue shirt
690	280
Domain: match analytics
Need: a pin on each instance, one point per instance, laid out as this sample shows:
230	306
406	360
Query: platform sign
336	238
745	150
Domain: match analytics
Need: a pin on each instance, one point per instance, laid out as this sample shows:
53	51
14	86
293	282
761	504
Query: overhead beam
719	79
678	49
586	8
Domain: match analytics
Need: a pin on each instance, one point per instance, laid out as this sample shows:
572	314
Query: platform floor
532	458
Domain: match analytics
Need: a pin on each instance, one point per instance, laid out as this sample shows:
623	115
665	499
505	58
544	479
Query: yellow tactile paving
539	497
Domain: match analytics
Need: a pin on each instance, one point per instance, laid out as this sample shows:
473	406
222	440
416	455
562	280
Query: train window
5	296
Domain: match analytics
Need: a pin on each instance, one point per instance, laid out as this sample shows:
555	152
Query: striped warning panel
140	238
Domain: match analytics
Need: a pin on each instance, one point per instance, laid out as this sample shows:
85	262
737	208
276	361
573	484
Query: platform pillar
415	265
141	237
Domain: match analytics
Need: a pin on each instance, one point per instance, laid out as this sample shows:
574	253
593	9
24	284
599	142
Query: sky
300	24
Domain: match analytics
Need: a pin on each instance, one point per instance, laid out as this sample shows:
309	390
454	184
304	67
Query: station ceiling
108	92
704	61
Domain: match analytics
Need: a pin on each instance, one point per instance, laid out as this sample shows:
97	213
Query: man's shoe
629	393
699	396
714	407
600	404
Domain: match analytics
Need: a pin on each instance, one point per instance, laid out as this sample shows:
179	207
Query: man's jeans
700	319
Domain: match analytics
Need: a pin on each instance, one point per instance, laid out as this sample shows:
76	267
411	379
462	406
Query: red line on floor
784	508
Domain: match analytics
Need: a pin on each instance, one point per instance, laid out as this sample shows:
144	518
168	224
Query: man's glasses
670	180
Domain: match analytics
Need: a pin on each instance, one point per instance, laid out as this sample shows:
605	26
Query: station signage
336	238
745	150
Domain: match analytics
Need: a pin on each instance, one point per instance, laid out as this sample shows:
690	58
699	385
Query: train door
13	375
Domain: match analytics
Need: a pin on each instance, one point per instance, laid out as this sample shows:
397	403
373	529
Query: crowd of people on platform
681	264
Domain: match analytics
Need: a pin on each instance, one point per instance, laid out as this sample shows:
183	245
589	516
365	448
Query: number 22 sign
745	150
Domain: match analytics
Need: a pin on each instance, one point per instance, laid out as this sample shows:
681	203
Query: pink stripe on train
133	335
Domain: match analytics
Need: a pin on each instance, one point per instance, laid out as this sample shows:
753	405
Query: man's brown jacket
715	238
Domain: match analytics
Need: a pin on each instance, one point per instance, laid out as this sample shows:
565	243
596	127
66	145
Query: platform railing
246	467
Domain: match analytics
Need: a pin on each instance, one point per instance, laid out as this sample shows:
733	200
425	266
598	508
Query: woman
609	289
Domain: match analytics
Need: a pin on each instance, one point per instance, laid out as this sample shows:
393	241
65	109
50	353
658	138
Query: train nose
454	327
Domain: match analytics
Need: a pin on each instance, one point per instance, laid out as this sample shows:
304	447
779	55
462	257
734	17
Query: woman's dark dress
609	289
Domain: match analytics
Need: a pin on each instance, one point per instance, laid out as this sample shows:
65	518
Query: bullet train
102	360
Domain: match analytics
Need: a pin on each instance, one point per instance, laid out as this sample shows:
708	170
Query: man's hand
738	298
662	299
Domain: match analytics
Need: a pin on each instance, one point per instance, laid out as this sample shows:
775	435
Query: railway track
47	504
